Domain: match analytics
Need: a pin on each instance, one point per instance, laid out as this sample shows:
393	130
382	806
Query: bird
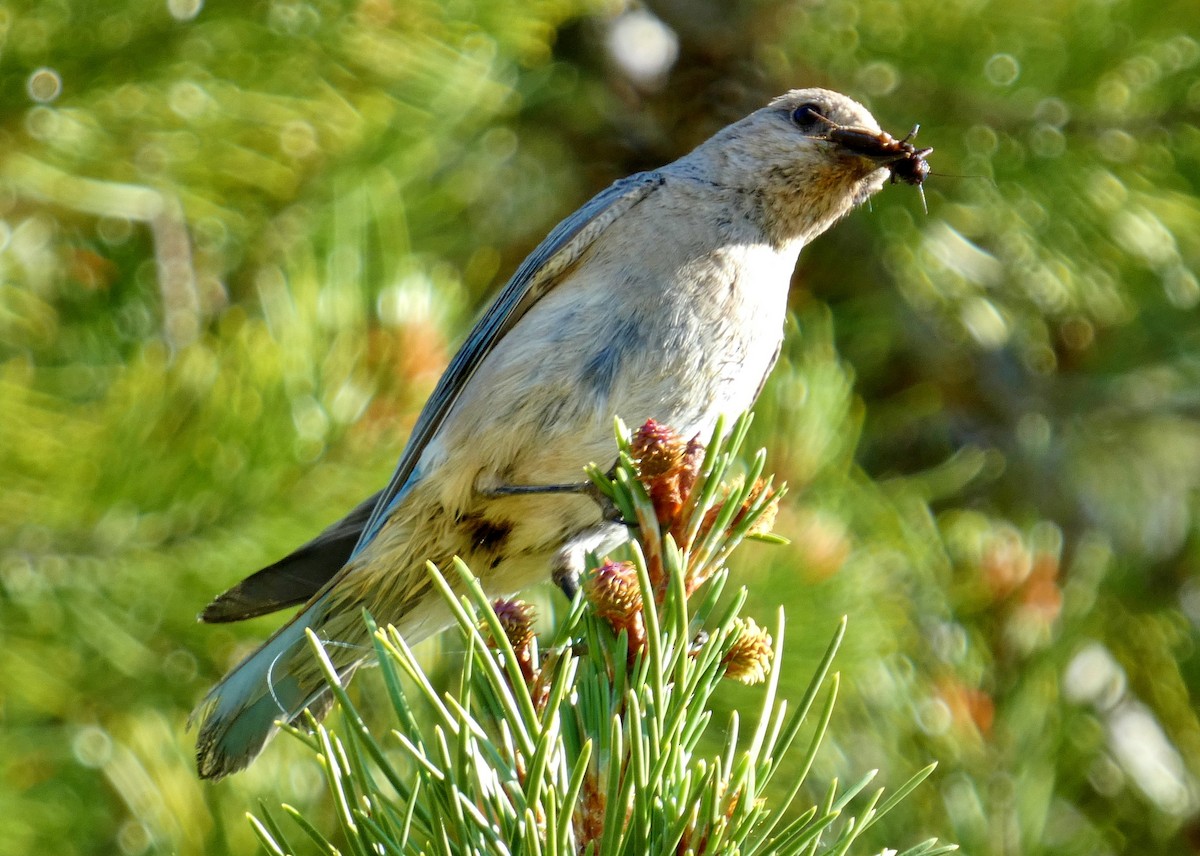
662	297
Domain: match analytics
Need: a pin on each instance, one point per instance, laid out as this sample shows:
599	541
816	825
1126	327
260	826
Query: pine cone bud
614	592
656	449
749	659
761	526
690	464
766	521
516	617
668	467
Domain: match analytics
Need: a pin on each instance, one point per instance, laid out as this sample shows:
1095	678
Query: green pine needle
592	739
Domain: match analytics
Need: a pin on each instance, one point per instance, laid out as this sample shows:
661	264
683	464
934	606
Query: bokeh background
238	242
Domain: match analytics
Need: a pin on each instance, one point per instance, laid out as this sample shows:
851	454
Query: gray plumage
663	297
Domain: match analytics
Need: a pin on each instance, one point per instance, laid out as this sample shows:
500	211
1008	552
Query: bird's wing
533	280
302	574
297	576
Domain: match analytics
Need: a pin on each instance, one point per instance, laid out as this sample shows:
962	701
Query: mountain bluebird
663	297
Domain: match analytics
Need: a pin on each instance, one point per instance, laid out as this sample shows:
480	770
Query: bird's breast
682	333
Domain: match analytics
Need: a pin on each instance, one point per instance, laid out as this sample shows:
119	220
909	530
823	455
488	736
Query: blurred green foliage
237	242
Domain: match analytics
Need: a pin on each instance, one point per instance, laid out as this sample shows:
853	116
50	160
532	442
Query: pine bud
761	526
667	467
615	595
516	617
614	592
766	520
749	658
656	449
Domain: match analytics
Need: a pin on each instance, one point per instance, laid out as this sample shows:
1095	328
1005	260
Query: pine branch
593	744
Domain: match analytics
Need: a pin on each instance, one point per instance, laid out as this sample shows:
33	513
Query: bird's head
808	158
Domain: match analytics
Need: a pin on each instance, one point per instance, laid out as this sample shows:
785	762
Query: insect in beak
905	161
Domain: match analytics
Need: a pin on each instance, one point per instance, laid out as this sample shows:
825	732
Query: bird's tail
275	683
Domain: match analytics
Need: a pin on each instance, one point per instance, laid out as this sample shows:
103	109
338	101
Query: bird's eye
808	116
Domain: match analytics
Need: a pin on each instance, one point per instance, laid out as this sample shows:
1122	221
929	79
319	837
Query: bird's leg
608	511
523	489
571	559
565	573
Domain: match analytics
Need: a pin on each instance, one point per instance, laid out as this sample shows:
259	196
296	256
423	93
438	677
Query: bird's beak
877	146
905	161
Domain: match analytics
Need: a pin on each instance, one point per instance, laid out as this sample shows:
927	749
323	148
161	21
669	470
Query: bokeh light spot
1053	112
92	746
934	716
1094	677
42	123
184	10
1034	433
180	666
114	230
44	85
1112	94
133	838
298	139
1149	758
1047	141
879	78
1181	287
1002	69
984	322
642	46
188	100
1117	145
982	140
